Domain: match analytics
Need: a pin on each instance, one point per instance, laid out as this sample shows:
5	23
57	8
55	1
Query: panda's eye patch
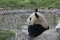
30	19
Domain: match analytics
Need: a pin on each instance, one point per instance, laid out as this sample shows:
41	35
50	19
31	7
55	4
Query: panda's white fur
41	20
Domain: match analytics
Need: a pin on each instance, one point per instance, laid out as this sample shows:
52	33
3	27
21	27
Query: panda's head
37	18
32	18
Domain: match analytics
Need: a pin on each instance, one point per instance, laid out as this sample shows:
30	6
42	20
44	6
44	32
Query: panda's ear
36	10
36	15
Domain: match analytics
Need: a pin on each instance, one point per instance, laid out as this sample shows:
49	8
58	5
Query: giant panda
37	24
38	28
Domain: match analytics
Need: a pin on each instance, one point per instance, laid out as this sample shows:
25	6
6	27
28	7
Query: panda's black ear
36	15
36	10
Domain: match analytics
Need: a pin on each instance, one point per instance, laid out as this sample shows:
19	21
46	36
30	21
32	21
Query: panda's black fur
36	10
36	29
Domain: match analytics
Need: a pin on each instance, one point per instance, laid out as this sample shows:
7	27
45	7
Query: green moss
6	34
31	4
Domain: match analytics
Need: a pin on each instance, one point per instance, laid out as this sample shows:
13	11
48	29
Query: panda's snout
28	21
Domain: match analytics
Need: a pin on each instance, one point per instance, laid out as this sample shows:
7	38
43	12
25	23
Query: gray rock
50	34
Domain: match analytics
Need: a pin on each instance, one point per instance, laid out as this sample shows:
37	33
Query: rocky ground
16	19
